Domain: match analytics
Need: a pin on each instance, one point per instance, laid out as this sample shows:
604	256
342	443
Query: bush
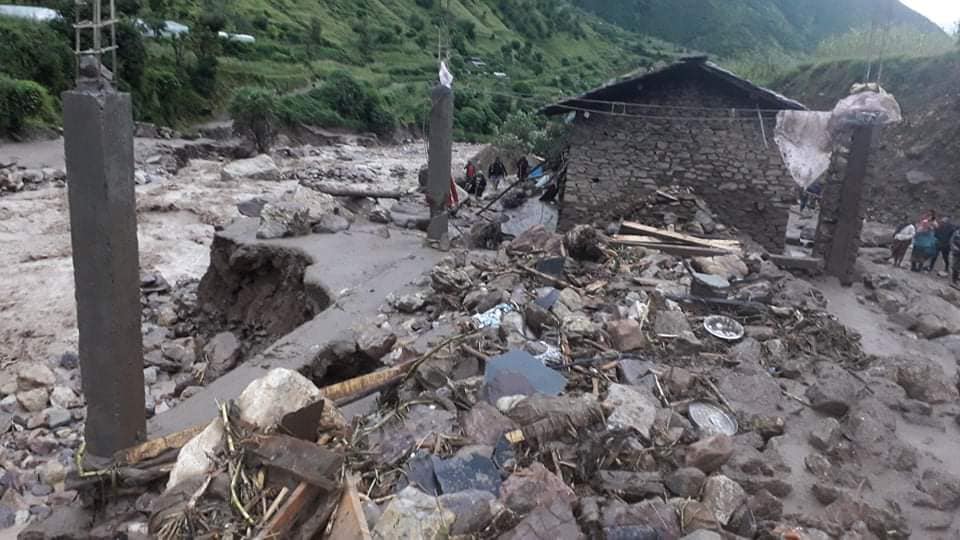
34	51
357	101
20	101
254	110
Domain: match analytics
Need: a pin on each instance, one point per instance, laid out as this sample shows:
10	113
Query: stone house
691	124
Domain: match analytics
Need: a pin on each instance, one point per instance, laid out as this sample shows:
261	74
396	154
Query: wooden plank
284	520
674	236
350	523
681	250
155	447
306	460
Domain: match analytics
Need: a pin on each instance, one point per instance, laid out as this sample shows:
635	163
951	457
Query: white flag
446	78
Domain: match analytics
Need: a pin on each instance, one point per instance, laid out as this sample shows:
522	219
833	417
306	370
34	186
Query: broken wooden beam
639	228
350	523
680	250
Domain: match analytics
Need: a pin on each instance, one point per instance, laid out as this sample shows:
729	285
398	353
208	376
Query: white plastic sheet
806	138
805	144
446	78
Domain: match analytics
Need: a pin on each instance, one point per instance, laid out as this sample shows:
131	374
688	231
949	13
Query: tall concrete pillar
440	160
98	144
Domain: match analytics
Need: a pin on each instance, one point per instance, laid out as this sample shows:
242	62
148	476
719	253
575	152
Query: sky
946	13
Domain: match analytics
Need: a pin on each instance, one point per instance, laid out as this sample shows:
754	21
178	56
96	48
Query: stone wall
615	162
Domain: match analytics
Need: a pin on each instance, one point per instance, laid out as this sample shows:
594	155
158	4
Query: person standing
497	172
924	246
523	168
955	248
944	233
902	239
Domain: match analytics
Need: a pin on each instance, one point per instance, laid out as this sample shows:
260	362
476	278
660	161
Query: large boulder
261	167
282	219
933	317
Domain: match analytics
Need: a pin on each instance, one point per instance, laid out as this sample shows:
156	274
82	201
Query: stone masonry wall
615	162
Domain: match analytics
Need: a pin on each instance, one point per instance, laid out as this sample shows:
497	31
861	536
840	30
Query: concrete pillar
841	214
440	161
98	144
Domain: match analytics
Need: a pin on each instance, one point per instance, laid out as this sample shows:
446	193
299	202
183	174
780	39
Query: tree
314	36
254	111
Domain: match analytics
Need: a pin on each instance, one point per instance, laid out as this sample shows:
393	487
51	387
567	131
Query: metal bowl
724	328
711	419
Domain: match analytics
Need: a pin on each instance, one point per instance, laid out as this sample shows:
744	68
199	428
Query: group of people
476	183
932	238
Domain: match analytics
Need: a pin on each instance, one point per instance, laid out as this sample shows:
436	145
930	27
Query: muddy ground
177	217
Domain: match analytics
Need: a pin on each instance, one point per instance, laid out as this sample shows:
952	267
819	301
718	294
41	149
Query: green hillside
505	54
734	27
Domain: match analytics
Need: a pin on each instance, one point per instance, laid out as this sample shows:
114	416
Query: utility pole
439	162
98	145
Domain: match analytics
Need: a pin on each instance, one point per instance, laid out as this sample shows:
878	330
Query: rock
64	398
222	353
631	409
685	482
283	219
916	178
927	382
33	400
34	375
376	343
420	427
251	207
942	489
64	522
834	391
414	514
538	318
846	511
10	181
536	239
748	353
55	417
265	401
696	516
584	243
723	496
579	326
150	375
626	335
825	434
553	521
163	389
650	514
703	534
261	167
709	454
933	317
534	486
630	486
765	506
468	473
473	510
407	303
483	424
52	472
726	266
570	299
182	351
674	324
331	224
632	371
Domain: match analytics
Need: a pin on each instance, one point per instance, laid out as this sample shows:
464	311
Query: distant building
690	124
28	12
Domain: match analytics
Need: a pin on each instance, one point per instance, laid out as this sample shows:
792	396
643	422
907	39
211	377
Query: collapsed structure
666	127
